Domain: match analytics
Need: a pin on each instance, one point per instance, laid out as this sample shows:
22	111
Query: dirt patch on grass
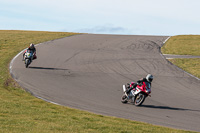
9	82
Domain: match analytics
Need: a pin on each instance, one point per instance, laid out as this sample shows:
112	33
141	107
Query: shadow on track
47	68
167	107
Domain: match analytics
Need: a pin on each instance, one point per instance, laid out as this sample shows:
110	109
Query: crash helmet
32	46
149	78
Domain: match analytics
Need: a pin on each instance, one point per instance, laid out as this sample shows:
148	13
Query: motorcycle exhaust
124	88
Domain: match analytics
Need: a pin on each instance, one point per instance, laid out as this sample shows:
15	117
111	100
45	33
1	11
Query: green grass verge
184	45
21	112
190	65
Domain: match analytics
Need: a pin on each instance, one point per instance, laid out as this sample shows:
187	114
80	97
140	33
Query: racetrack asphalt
87	72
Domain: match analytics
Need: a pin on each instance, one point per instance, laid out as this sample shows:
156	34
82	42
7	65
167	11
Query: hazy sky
134	17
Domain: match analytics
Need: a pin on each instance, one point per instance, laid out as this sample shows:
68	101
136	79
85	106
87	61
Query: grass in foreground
184	45
21	112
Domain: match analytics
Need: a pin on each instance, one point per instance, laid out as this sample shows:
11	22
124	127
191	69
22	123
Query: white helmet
31	46
149	78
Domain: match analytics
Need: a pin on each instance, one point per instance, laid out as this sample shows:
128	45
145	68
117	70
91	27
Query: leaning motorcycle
137	95
28	57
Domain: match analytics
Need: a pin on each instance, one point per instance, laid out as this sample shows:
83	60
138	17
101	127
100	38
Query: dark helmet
149	78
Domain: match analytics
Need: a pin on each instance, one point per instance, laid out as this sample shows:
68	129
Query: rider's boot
128	90
23	58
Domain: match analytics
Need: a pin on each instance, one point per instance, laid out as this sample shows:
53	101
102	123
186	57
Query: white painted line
166	40
11	63
173	64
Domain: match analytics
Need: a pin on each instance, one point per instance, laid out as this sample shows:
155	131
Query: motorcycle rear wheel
139	99
124	99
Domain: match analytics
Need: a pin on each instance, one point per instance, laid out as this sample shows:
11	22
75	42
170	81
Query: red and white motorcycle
136	95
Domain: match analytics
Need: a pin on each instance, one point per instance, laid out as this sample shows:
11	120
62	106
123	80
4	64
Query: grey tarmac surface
87	72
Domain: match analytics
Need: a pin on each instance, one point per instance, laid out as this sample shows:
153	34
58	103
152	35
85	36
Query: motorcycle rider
149	79
32	49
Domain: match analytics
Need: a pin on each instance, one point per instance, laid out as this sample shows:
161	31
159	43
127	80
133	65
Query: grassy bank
21	112
190	65
184	45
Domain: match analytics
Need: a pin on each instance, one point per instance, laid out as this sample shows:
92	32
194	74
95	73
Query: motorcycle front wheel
26	63
124	99
139	99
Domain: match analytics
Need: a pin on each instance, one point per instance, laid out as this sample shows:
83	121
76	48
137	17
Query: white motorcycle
28	57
